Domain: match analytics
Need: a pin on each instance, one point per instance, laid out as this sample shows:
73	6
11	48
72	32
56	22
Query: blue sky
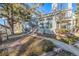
74	6
1	21
47	8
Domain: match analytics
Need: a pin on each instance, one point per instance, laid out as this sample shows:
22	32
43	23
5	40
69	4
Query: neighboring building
18	28
71	17
77	16
5	30
68	19
54	18
45	26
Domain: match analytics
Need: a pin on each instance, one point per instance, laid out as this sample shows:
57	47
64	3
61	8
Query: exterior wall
45	26
54	23
17	28
69	15
3	30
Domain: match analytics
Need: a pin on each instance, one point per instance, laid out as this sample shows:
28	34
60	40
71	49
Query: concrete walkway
18	42
62	45
57	43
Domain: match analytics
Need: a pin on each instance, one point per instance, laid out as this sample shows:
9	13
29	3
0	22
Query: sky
73	6
47	8
1	21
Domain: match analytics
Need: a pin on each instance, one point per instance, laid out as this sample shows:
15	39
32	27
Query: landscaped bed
65	36
34	46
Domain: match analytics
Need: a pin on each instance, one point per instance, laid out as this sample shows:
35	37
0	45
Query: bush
48	46
70	40
63	31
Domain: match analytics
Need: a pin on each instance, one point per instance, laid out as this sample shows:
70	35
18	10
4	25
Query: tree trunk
11	21
0	39
11	26
12	30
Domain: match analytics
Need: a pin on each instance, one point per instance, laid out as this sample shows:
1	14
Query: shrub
70	40
63	31
48	46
